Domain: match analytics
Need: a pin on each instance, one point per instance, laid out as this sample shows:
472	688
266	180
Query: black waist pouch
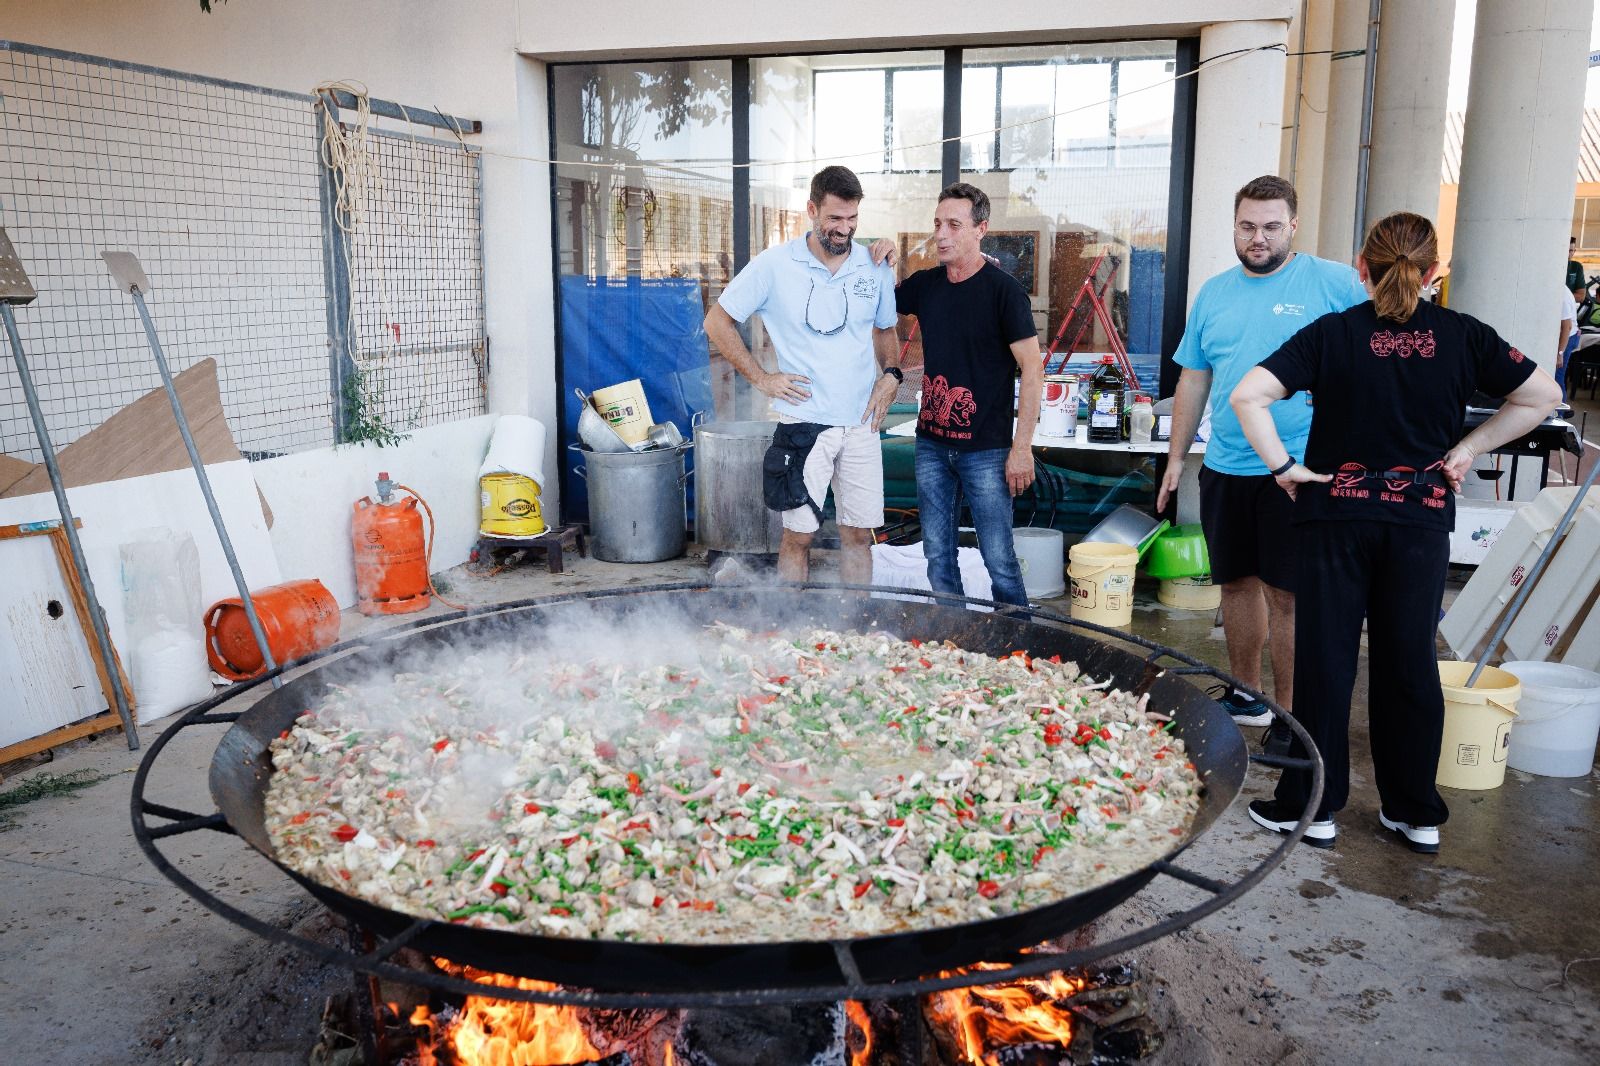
783	482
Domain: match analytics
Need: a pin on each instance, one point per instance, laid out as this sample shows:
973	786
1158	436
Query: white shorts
850	458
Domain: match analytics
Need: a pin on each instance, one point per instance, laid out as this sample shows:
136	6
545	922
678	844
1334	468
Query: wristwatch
1288	465
896	372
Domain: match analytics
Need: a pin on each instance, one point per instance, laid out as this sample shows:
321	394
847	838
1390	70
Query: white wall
595	29
457	58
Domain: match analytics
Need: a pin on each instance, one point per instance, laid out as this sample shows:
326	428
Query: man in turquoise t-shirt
1240	317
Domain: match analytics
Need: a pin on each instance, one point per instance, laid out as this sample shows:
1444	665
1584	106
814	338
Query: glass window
1079	199
918	119
849	118
979	106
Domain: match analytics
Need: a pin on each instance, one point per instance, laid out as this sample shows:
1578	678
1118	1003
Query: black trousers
1393	576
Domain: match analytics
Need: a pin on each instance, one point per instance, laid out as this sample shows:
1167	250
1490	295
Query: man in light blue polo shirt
831	314
1240	317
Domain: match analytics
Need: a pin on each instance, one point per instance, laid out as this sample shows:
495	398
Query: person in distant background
1575	280
1568	342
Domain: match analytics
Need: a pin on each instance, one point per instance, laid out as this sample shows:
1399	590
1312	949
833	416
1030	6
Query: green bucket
1178	552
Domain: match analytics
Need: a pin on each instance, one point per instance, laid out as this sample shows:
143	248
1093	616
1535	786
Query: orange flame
495	1032
858	1016
1025	1011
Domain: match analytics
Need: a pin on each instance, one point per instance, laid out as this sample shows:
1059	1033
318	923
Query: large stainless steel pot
728	513
636	504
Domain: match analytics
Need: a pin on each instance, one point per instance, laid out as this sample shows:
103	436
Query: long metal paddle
130	278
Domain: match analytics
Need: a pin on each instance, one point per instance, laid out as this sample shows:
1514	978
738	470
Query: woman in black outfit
1390	380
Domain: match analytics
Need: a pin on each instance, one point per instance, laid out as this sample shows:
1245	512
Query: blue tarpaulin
616	329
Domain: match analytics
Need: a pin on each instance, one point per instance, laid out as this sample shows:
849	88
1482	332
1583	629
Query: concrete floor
1363	954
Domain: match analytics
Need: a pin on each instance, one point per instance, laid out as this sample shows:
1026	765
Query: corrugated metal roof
1588	147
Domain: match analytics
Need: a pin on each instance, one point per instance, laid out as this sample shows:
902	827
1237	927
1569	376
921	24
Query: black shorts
1246	518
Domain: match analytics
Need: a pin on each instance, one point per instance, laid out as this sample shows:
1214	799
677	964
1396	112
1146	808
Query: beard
833	246
1275	259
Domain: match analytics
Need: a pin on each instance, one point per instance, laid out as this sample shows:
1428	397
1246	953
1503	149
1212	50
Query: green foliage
363	411
44	785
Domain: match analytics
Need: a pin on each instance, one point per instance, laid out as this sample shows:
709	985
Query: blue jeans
944	476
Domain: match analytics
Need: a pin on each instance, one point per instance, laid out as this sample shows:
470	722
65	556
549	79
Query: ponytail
1399	249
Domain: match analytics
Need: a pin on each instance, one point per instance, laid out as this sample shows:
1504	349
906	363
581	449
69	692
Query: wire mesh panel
416	287
214	187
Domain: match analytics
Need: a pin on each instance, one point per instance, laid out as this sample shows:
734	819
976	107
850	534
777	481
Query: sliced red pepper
822	646
1041	853
283	735
441	744
636	825
796	838
345	874
395	793
862	889
1108	810
345	833
897	669
497	888
658	901
926	665
914	642
477	853
561	912
744	787
894	725
895	823
426	844
988	889
531	808
779	680
634	785
301	818
1056	659
567	842
704	905
605	749
909	710
1105	733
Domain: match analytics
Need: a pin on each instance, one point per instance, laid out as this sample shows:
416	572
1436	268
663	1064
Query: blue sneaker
1243	709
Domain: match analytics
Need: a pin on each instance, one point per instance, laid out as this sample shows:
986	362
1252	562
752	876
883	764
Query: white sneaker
1423	839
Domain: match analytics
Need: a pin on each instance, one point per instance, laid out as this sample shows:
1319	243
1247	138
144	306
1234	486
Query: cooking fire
1054	1020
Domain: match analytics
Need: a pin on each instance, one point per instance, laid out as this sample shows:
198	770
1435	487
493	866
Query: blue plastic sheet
616	329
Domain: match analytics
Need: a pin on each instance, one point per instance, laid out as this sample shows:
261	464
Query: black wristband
1288	465
898	374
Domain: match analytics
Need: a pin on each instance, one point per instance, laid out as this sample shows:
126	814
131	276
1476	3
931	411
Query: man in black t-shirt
977	331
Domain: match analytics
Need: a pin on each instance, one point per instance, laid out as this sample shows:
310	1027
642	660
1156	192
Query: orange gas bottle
390	551
298	618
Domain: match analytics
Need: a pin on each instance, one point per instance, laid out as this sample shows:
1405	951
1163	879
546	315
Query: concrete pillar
1336	222
1519	165
1409	107
1519	171
1238	123
1304	142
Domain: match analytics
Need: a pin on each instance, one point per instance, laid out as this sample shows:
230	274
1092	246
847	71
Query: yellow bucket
1477	726
1102	582
1190	593
625	407
510	506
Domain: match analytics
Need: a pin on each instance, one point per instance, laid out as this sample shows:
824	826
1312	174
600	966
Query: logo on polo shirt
865	287
1289	309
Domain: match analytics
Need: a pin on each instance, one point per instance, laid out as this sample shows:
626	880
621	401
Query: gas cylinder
297	617
391	554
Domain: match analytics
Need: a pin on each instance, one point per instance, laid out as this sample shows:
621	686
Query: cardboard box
1479	525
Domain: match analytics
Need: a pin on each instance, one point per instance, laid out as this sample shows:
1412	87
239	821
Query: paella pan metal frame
376	962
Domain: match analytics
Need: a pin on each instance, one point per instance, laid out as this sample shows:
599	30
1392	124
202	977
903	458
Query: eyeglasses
1246	231
813	327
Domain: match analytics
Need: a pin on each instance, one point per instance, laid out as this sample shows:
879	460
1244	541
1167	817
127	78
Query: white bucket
1042	556
1558	719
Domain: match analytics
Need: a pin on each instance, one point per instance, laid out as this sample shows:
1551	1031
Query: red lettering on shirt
1516	356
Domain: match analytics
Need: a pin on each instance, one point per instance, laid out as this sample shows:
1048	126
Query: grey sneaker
1422	839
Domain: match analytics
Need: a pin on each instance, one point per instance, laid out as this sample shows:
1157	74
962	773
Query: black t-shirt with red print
967	331
1390	397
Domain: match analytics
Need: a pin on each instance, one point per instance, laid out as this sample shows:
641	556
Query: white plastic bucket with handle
1558	719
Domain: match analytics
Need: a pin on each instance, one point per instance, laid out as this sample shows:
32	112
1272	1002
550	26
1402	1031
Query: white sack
517	447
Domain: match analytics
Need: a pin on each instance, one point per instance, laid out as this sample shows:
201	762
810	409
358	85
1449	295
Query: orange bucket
298	617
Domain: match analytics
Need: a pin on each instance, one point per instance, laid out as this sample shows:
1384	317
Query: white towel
517	447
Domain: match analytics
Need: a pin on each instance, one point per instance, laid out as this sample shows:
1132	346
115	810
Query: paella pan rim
240	770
